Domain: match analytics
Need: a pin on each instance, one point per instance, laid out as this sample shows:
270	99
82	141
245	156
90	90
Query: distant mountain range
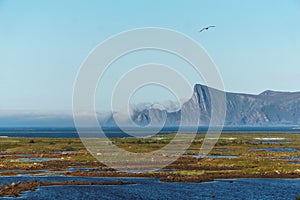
270	108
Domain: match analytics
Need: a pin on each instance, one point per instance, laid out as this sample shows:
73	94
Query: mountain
270	108
266	109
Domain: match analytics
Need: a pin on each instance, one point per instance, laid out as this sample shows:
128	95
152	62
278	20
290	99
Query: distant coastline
70	132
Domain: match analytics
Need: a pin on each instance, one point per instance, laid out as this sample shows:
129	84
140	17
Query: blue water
218	156
147	188
70	132
291	158
281	149
214	156
83	169
36	159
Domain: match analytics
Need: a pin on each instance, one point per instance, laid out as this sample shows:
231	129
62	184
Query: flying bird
206	28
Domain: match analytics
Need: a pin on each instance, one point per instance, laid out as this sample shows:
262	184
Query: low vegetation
253	157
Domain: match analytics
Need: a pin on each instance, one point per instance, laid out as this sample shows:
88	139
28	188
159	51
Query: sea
71	132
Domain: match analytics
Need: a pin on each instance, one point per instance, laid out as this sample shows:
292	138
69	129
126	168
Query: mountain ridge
269	108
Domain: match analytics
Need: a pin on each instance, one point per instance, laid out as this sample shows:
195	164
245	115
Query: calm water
154	189
283	149
216	156
71	132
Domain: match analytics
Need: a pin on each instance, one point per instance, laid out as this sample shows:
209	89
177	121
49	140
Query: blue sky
255	44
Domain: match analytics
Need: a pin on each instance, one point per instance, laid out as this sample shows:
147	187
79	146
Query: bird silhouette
206	28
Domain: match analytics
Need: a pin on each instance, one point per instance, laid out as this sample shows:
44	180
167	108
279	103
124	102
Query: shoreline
164	177
15	189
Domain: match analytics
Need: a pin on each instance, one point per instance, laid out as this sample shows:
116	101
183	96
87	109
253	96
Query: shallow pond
213	156
83	169
271	142
274	149
295	163
223	149
291	158
145	170
36	159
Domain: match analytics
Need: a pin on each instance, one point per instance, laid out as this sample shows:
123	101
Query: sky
255	45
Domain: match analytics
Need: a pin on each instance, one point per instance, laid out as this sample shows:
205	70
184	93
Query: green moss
248	162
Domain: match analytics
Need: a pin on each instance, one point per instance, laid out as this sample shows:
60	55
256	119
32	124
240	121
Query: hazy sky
256	44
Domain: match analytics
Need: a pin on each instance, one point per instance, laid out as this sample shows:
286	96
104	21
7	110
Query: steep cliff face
267	108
